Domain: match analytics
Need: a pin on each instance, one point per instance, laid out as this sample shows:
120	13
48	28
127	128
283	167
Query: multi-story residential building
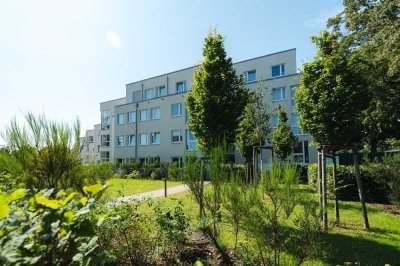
90	149
151	120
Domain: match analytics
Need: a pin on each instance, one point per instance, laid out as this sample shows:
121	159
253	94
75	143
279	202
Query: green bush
347	186
40	230
174	172
387	174
94	173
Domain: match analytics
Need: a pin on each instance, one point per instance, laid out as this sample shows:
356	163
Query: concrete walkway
155	193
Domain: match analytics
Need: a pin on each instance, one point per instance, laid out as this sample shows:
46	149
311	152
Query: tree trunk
337	218
360	190
324	192
201	189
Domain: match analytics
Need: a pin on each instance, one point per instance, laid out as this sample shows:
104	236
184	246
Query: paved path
155	193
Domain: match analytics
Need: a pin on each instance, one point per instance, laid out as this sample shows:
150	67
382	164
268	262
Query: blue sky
62	58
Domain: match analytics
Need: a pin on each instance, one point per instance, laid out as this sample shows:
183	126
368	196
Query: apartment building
151	120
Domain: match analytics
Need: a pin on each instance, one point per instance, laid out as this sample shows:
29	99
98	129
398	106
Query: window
105	140
278	94
105	120
143	139
278	71
178	161
120	141
148	94
155	113
131	117
181	87
89	139
191	142
137	96
176	136
300	152
250	76
295	125
143	115
176	109
155	138
105	156
161	91
186	116
275	121
131	140
121	119
292	94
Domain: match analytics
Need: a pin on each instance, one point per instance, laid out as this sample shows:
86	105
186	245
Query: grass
118	187
347	243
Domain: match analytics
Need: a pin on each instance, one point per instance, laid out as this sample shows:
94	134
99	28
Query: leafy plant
283	139
36	229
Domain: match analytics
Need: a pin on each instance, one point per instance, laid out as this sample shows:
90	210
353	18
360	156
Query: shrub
135	174
347	185
39	230
95	173
387	174
173	171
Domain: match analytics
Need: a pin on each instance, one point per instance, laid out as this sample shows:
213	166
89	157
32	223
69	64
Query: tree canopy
283	139
254	127
217	100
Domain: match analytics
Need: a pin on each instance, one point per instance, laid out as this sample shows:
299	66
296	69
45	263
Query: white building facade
151	120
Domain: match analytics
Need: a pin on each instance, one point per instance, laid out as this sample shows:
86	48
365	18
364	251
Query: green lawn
347	243
118	187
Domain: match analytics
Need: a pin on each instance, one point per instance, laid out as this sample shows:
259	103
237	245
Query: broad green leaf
93	189
18	194
3	210
83	201
68	199
52	204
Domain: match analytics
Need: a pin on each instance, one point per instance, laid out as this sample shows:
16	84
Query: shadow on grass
352	249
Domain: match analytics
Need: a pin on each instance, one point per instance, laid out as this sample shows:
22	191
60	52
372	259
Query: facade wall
277	91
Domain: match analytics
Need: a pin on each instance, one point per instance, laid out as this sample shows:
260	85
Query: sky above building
62	58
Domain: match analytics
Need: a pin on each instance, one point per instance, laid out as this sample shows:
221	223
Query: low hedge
347	184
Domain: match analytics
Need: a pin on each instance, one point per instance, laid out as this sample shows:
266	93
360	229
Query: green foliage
135	174
44	153
39	230
98	172
331	97
346	188
127	236
387	174
371	33
174	171
217	100
283	139
172	227
253	128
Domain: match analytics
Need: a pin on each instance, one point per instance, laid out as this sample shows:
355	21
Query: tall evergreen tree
254	127
216	103
283	139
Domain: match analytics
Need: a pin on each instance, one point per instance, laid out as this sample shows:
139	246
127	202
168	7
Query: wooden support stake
337	217
324	192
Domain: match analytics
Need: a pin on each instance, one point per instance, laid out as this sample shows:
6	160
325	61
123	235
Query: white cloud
114	39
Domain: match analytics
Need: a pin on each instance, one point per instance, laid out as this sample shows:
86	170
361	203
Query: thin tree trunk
320	182
360	190
324	192
337	217
201	189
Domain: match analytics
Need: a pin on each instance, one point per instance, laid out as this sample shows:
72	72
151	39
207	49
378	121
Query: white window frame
105	140
292	94
133	116
296	125
272	120
139	93
159	91
140	114
148	97
120	143
282	94
180	160
152	113
282	70
180	136
189	141
121	119
152	138
246	76
180	109
184	86
147	139
131	137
